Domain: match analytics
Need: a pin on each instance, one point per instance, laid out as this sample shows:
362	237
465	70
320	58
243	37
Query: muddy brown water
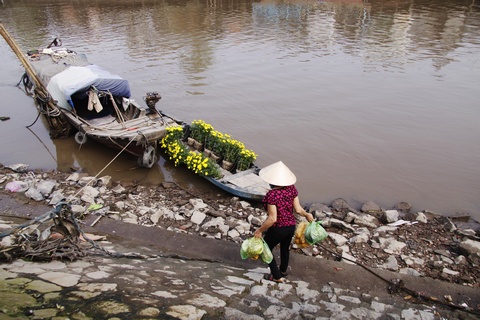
364	100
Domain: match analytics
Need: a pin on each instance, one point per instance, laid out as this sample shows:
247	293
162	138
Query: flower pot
197	145
227	165
207	152
190	141
214	157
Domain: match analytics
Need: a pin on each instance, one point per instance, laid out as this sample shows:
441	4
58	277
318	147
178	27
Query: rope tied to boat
103	169
121	119
46	106
57	55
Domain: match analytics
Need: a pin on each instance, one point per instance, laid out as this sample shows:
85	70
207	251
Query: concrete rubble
421	245
166	288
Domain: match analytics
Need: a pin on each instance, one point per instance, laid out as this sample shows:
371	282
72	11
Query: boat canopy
78	79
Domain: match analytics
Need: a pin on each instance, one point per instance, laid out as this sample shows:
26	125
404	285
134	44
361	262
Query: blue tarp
77	80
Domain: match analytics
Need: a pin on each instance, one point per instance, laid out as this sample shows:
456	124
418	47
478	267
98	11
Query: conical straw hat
278	174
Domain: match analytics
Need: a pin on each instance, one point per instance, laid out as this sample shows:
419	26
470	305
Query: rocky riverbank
421	244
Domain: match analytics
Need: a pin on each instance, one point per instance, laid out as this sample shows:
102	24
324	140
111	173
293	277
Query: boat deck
151	127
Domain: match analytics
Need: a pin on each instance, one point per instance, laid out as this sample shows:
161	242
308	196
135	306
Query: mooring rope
48	150
105	167
38	116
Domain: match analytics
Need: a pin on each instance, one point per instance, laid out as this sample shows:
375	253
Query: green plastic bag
315	233
267	255
252	248
244	249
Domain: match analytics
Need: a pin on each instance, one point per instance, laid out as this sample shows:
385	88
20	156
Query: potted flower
231	150
245	159
176	150
172	145
180	154
199	130
214	144
202	165
173	133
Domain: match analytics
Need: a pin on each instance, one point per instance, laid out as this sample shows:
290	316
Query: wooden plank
236	175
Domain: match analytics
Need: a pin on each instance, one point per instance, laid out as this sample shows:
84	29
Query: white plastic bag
17	186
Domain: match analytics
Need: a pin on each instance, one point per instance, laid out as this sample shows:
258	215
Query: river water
363	100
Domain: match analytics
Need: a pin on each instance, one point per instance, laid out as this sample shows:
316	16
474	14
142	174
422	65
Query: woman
280	202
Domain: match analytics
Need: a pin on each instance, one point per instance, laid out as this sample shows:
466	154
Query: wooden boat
77	96
98	105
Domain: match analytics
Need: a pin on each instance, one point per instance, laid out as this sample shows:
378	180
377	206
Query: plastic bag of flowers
315	232
252	248
300	234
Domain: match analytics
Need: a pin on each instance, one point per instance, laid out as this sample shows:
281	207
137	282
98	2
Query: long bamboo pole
59	125
26	64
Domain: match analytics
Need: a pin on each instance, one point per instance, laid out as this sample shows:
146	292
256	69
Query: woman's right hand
258	233
310	217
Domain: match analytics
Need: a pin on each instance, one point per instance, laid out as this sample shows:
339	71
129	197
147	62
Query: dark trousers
282	236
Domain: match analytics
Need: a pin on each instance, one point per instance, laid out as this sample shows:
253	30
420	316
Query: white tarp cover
79	79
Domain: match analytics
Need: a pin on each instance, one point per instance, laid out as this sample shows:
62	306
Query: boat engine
151	100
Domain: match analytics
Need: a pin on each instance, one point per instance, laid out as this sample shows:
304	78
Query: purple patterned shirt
283	199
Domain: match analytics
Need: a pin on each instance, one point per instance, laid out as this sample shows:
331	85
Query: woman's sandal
270	277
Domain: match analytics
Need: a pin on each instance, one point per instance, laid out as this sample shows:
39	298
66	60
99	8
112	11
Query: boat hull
245	184
134	138
235	191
